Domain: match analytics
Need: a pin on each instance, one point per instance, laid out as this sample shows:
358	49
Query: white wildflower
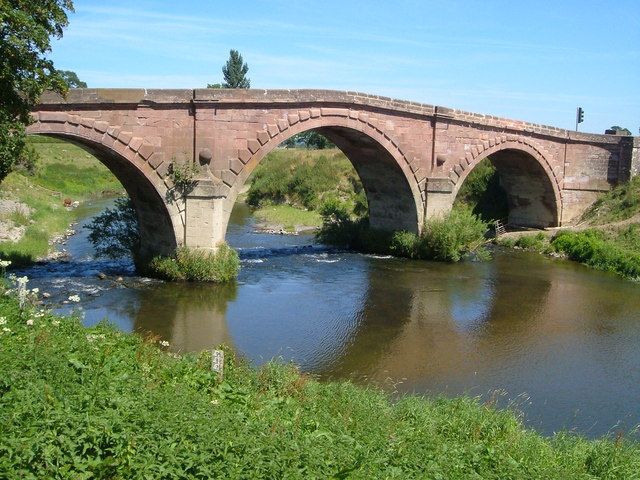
5	263
30	322
35	290
3	320
21	286
74	298
6	330
164	343
94	336
55	323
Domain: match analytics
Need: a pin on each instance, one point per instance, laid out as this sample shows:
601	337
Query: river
549	338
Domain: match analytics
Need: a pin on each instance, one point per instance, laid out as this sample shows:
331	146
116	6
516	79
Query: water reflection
192	318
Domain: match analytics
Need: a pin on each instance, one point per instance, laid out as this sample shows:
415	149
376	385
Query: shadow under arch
392	191
533	193
157	229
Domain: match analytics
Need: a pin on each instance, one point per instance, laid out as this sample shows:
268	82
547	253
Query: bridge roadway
412	158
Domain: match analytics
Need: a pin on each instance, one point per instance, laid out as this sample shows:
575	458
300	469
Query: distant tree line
308	139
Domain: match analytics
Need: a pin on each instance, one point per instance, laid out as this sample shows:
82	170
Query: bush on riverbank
94	402
221	266
449	238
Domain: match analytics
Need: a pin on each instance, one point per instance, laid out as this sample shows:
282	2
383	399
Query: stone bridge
412	158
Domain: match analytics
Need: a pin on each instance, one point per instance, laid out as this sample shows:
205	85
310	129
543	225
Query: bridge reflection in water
564	335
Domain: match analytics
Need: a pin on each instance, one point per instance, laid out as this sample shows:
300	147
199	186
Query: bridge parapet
235	97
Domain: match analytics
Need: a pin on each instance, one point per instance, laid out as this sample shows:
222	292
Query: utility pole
579	117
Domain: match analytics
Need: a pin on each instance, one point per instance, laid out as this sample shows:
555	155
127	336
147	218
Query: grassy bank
290	186
64	172
288	218
615	250
608	237
99	403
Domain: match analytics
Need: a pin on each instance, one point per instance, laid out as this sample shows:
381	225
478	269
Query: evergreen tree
235	71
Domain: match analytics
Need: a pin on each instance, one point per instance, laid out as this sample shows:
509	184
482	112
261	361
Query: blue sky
535	61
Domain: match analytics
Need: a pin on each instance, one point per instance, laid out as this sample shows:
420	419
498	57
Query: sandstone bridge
412	158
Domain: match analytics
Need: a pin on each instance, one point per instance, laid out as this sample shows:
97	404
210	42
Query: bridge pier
205	222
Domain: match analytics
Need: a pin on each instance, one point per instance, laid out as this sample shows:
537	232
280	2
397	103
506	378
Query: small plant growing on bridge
183	176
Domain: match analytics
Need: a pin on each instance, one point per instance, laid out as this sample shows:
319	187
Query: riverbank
288	189
96	401
606	238
42	204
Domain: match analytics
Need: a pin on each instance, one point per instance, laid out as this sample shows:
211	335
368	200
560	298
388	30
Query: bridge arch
533	188
159	219
392	190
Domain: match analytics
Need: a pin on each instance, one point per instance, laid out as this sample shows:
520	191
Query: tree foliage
235	72
71	79
114	233
309	139
26	28
621	130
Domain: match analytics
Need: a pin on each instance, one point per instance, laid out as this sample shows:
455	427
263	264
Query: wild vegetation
482	193
621	203
612	241
221	266
451	238
64	173
25	41
95	402
304	179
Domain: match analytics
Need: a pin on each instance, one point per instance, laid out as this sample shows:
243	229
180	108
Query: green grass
97	403
617	252
197	266
64	171
290	218
305	179
621	203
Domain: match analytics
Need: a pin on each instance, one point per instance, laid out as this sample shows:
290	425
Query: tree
308	139
622	131
71	78
235	71
26	28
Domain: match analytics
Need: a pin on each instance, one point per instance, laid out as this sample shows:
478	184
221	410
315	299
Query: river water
550	338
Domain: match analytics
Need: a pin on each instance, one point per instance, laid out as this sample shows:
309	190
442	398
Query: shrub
405	244
448	239
535	242
191	265
453	236
305	179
